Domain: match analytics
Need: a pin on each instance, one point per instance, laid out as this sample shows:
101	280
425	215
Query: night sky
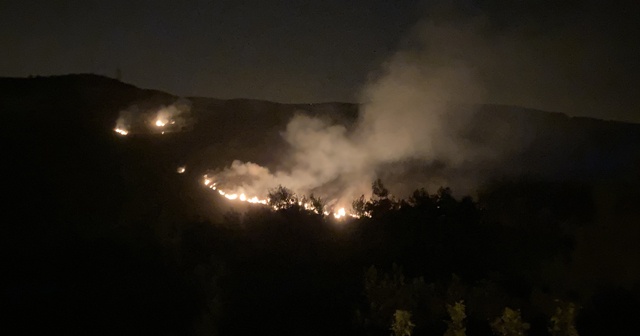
578	57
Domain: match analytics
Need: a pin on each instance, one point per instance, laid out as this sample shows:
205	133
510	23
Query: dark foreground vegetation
102	237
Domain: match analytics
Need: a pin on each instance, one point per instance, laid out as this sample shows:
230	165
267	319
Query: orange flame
340	214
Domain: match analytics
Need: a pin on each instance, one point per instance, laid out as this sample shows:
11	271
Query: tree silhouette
359	206
380	202
379	190
402	325
282	198
510	324
456	325
317	204
563	322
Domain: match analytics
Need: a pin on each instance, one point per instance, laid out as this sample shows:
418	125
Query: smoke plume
415	112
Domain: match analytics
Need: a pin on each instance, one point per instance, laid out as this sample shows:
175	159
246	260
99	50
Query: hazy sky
579	57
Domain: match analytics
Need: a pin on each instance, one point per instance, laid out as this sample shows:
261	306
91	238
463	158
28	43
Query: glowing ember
121	131
160	123
255	200
240	197
181	169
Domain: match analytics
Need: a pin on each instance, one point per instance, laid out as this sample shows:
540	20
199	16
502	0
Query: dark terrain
101	236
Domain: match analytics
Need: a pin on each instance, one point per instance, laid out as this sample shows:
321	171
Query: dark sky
579	57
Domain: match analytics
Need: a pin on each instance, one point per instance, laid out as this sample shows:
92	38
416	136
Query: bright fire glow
255	200
121	131
242	197
160	123
181	169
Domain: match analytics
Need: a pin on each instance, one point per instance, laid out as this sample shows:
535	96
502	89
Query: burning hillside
279	198
161	119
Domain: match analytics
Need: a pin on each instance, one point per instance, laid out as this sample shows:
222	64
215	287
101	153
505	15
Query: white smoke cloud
406	116
175	115
323	159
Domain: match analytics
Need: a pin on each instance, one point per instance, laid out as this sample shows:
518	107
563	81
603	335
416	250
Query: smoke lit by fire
154	120
405	117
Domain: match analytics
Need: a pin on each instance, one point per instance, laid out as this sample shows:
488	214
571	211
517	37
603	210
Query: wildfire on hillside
239	196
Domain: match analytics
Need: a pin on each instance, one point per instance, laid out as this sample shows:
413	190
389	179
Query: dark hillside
101	235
